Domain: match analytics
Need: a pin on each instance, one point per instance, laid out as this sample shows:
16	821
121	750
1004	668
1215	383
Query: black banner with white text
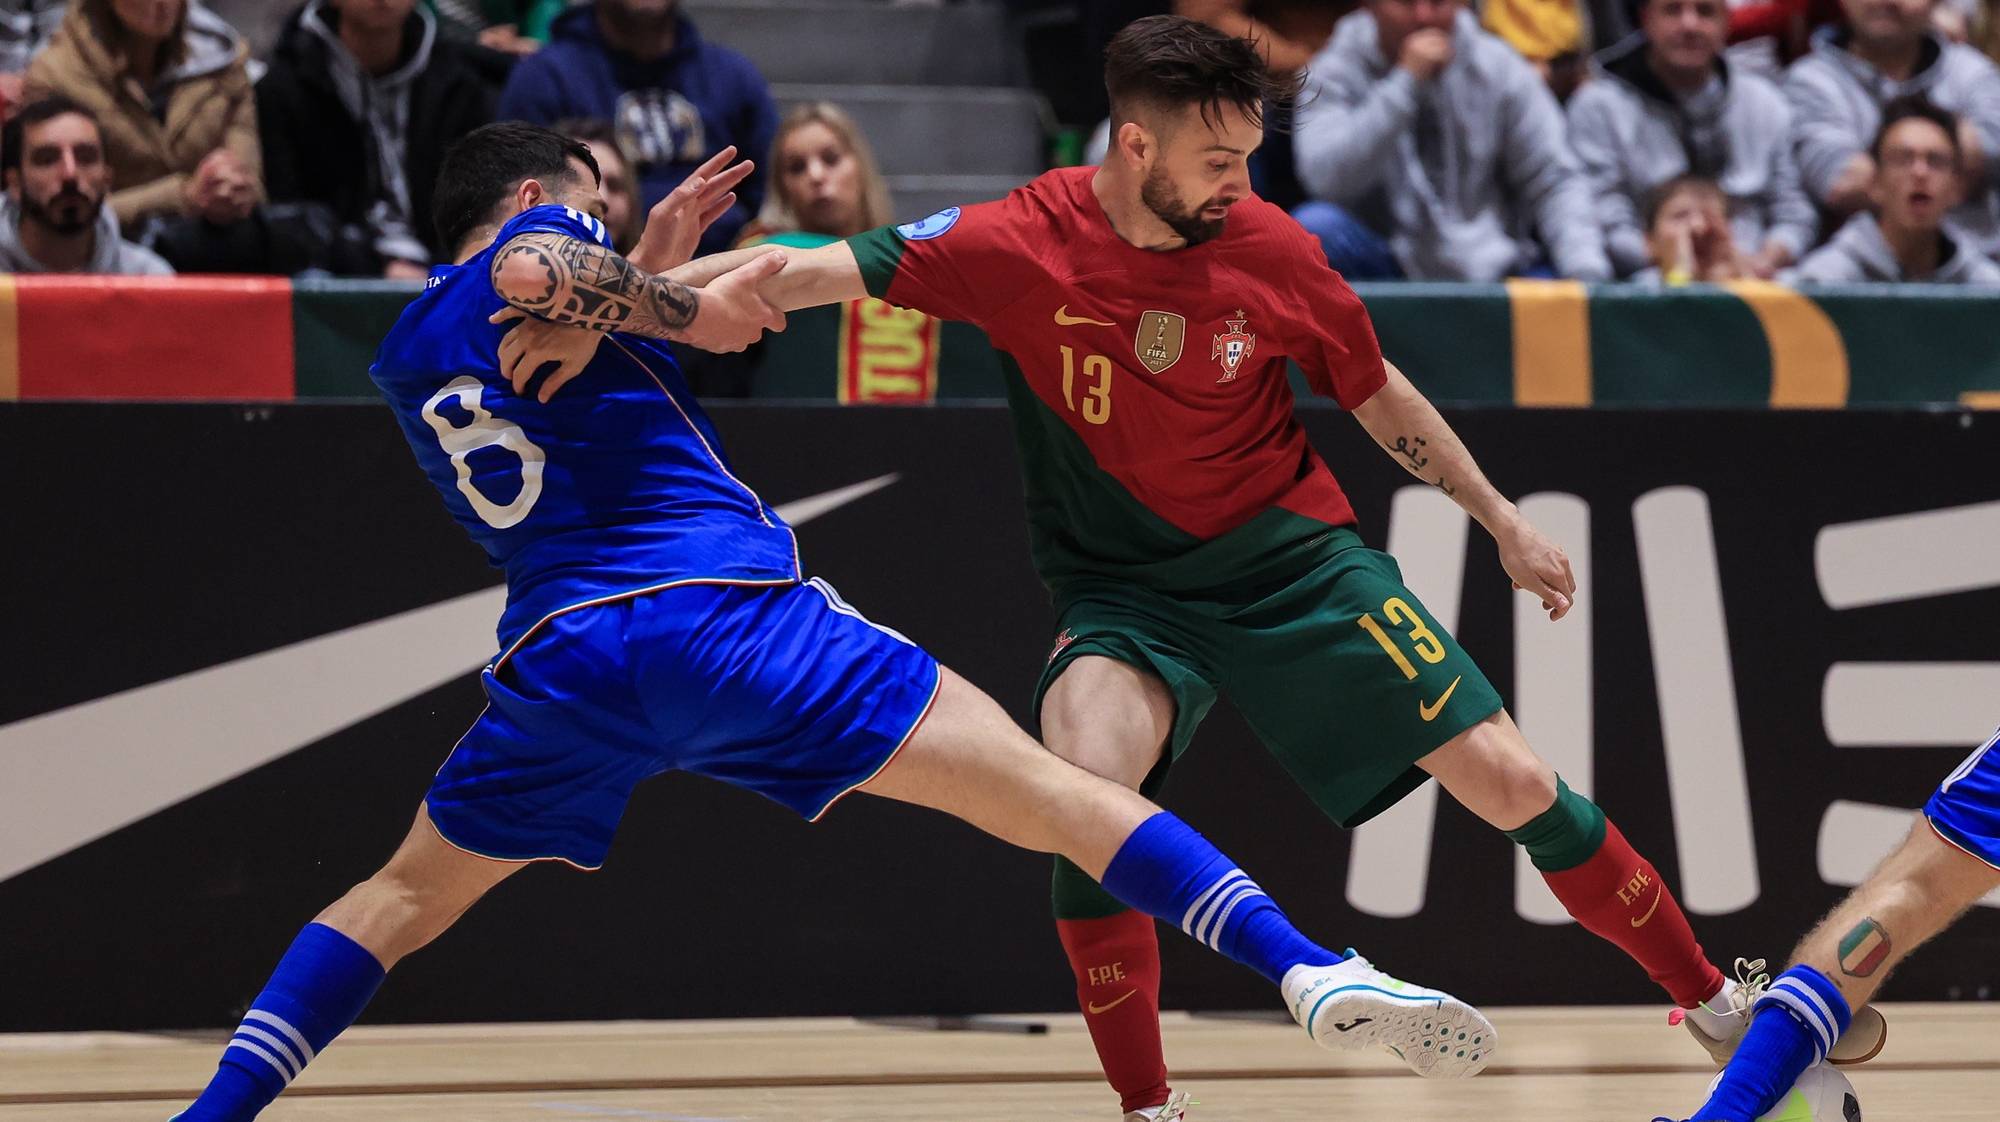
239	640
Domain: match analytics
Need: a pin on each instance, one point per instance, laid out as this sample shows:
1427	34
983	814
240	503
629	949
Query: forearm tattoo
1411	452
569	280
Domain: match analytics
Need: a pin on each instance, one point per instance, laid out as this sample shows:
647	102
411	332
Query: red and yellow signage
888	355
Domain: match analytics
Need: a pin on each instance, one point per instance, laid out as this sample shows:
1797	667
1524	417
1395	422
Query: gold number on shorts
1097	395
1389	648
1422	638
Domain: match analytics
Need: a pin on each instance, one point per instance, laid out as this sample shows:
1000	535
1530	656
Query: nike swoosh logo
1430	712
1647	918
1095	1008
75	775
1064	319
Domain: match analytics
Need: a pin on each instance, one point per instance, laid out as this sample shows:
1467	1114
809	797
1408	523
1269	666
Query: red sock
1117	965
1617	895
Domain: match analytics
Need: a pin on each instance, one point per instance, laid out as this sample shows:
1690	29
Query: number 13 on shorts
1422	639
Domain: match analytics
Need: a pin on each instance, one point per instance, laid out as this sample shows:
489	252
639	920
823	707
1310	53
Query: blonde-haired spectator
824	180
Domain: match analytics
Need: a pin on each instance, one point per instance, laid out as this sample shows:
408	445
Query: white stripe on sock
284	1026
1214	939
1829	1025
1807	1016
278	1048
1204	923
1188	921
258	1051
1210	923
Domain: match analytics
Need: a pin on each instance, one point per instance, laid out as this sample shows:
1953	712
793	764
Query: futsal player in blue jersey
1950	859
658	618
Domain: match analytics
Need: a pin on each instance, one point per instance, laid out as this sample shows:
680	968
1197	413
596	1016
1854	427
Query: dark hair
489	162
14	136
1675	186
1169	62
1919	108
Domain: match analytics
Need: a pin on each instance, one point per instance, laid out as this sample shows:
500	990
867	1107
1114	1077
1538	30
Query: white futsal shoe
1175	1109
1351	1005
1863	1040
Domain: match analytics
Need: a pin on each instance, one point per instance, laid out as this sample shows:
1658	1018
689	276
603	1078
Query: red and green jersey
1149	389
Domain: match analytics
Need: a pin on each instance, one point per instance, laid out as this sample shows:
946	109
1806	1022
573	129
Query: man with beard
54	219
674	98
1193	540
1903	236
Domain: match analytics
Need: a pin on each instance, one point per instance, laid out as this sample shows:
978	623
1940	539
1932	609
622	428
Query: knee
1527	789
1116	730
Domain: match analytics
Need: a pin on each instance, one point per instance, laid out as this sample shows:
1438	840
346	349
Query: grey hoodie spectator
1666	103
53	219
1438	136
1838	92
1917	160
362	100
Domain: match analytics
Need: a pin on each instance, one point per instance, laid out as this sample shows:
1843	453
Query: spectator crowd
1704	140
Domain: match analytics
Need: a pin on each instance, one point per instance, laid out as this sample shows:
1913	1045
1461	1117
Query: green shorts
1340	671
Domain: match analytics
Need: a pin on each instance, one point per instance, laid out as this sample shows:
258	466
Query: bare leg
1492	772
1109	718
1915	893
419	894
971	761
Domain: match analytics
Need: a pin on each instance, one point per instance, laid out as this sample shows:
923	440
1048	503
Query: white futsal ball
1822	1094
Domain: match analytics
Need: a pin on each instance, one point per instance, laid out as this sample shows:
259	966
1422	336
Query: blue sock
1167	870
1793	1027
320	986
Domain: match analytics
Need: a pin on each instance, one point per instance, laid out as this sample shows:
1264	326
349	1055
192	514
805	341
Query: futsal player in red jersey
1193	541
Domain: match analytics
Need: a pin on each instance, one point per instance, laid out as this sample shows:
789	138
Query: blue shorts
1966	809
784	690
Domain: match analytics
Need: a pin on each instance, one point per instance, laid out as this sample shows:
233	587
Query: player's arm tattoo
569	280
1410	451
1865	948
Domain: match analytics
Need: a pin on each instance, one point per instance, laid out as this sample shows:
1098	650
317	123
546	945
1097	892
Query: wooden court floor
1555	1065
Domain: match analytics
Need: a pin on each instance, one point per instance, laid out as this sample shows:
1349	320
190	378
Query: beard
78	217
1157	192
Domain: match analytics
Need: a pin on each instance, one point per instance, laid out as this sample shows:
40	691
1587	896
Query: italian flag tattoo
1864	949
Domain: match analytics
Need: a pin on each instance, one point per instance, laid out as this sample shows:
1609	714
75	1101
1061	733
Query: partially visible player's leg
1918	891
1113	719
969	760
335	965
1602	881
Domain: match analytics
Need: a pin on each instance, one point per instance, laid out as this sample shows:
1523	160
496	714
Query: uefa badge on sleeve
1233	347
924	229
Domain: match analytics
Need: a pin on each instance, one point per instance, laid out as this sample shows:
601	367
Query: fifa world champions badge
1233	347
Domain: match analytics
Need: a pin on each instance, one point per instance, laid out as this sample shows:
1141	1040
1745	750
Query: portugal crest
1233	347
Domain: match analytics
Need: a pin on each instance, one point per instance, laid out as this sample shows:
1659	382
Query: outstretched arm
826	274
1404	422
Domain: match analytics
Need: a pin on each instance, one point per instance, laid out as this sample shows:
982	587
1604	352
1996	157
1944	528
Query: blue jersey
617	484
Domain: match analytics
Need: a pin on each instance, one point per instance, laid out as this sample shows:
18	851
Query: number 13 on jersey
1096	406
